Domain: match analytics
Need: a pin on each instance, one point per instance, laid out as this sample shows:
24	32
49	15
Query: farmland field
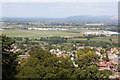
42	33
49	33
106	39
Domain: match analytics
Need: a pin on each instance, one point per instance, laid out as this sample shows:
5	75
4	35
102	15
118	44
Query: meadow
49	33
42	33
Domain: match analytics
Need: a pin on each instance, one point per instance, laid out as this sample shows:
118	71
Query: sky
14	8
59	0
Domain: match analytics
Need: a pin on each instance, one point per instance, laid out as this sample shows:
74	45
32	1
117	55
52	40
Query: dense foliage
88	65
41	64
8	58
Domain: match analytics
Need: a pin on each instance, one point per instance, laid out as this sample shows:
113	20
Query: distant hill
84	18
92	18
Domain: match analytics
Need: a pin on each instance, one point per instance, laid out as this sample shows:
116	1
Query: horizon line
59	17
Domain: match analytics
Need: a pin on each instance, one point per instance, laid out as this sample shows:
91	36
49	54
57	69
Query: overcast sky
58	10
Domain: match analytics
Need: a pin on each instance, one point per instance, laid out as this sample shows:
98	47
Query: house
80	47
52	50
18	49
76	65
24	56
98	53
1	29
102	32
64	55
106	65
72	58
61	55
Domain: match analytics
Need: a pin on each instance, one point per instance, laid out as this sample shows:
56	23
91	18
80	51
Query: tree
107	58
74	48
88	38
74	53
8	58
44	65
118	69
110	40
87	61
102	51
104	58
25	40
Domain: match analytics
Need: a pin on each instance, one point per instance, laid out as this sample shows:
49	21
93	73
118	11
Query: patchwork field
43	33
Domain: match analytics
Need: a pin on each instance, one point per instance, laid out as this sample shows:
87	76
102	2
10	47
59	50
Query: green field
79	39
16	33
41	33
106	39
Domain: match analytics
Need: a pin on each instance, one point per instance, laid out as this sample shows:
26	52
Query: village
108	58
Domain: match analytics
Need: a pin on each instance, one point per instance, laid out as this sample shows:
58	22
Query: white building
102	32
108	32
1	29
